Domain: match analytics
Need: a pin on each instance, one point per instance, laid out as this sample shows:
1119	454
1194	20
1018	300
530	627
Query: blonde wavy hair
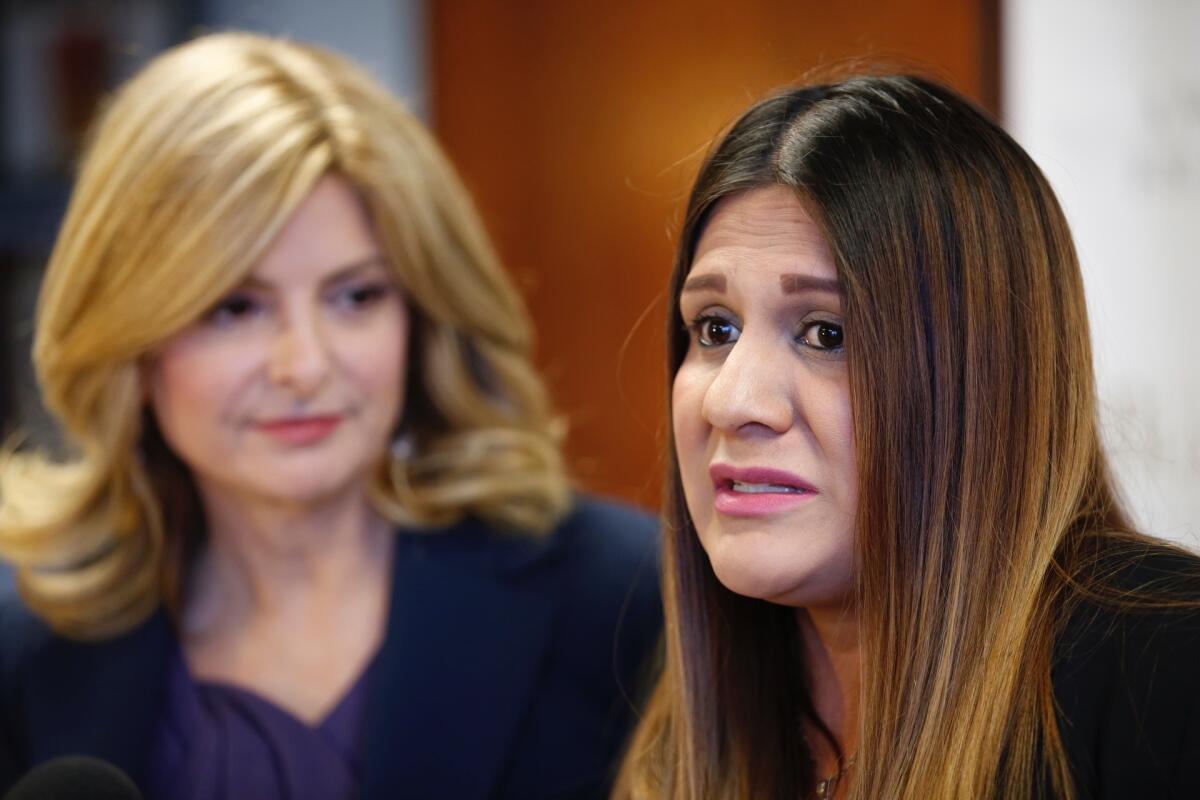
192	169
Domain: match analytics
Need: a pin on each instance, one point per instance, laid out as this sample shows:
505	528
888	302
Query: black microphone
74	778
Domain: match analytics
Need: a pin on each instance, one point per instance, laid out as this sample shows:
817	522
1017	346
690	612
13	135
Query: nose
751	390
300	357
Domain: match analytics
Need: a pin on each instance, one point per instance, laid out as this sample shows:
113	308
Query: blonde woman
315	539
894	566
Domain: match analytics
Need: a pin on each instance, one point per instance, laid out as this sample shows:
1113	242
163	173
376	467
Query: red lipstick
757	491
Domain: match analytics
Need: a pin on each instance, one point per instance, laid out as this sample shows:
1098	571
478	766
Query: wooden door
579	125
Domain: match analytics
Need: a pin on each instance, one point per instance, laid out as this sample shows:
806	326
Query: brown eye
715	331
357	297
234	309
823	336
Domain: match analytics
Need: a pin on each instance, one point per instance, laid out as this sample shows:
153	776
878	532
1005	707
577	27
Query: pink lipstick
757	491
300	430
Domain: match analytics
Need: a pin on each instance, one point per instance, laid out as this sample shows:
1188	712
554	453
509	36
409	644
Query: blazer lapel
469	624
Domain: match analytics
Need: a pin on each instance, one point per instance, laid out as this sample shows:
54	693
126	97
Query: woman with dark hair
315	537
894	563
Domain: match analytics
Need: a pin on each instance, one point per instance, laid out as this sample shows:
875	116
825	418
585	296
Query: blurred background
578	126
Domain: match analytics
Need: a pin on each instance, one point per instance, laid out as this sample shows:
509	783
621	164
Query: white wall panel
1105	94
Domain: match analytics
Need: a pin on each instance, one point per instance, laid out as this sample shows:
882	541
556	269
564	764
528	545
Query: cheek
378	362
380	370
691	432
194	393
194	385
834	424
685	411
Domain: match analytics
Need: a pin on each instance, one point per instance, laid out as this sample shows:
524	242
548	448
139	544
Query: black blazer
509	669
1127	683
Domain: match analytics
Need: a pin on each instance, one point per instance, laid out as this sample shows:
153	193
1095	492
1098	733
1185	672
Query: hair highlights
193	168
984	498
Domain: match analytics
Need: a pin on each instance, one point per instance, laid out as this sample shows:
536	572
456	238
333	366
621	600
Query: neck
831	652
283	560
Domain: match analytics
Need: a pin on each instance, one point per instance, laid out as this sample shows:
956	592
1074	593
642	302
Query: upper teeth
751	488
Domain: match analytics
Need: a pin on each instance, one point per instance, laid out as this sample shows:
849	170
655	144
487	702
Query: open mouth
757	480
758	491
743	487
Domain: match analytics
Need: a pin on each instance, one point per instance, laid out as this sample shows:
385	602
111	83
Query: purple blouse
216	741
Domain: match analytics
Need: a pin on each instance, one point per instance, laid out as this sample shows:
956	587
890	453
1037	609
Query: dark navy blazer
510	668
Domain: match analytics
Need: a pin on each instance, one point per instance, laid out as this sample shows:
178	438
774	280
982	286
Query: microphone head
74	778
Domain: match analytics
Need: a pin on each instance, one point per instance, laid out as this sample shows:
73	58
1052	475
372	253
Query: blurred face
289	390
761	404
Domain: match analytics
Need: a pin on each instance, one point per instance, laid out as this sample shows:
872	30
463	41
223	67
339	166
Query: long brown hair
985	498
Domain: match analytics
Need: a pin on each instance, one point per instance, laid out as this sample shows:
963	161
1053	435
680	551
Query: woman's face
289	390
761	404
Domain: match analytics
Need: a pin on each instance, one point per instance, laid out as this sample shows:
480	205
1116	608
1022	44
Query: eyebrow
704	282
790	283
342	273
793	283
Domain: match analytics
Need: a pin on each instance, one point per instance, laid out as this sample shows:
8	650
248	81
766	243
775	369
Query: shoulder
602	653
33	656
23	639
608	535
598	565
1127	680
610	599
609	552
67	697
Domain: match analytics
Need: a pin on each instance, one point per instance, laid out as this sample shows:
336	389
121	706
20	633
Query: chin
780	577
754	575
297	484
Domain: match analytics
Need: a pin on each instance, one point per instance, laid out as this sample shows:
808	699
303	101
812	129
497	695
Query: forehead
328	231
765	229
